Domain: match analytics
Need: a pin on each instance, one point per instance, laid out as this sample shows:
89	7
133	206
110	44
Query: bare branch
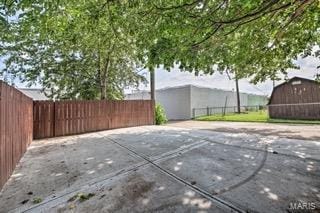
253	14
208	36
298	12
179	6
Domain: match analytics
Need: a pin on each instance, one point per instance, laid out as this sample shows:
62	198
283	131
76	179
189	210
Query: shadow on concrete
265	132
228	166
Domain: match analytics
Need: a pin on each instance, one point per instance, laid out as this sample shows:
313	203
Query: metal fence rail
15	128
207	111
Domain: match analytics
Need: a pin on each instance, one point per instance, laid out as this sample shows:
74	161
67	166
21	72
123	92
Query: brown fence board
61	118
43	119
21	120
16	126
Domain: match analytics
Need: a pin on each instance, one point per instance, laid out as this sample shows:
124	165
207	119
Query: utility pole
152	86
152	95
237	91
238	95
273	83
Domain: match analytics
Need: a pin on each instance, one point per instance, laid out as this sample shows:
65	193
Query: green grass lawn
260	116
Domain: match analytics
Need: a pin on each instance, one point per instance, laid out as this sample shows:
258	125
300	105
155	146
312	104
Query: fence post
207	111
54	119
193	113
154	110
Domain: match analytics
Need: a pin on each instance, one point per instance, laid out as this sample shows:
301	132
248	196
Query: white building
188	101
35	94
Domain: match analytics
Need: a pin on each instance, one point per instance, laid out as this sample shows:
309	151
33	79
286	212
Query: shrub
160	115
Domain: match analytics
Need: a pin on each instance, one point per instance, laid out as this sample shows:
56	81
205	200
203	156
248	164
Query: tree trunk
103	80
152	86
103	89
238	96
273	83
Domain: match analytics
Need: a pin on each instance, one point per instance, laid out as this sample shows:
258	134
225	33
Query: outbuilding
298	98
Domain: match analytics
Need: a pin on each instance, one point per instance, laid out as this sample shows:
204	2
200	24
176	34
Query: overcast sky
177	78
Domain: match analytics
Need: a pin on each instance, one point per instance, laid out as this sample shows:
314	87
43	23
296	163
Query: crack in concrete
250	177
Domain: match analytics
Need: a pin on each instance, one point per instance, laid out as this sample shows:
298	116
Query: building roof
35	94
201	87
293	79
189	85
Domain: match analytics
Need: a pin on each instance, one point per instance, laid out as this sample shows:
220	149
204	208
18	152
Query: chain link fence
207	111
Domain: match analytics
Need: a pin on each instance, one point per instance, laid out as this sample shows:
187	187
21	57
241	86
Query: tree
3	15
60	42
254	38
76	49
3	25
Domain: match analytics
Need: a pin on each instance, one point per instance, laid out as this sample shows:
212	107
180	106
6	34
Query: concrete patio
165	169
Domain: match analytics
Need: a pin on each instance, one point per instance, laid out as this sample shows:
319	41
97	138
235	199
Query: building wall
207	97
254	100
201	98
35	94
141	95
175	101
179	102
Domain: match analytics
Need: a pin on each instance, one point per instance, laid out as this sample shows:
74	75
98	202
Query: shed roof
286	82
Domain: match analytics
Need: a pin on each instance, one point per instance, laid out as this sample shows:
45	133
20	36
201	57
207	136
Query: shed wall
296	101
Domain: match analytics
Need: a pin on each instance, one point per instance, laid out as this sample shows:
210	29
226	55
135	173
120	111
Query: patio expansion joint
98	182
218	201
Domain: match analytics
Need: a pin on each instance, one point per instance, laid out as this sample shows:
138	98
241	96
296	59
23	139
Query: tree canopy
255	38
92	48
76	49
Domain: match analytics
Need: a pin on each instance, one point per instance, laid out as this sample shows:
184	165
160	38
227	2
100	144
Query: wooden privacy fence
21	120
61	118
15	128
